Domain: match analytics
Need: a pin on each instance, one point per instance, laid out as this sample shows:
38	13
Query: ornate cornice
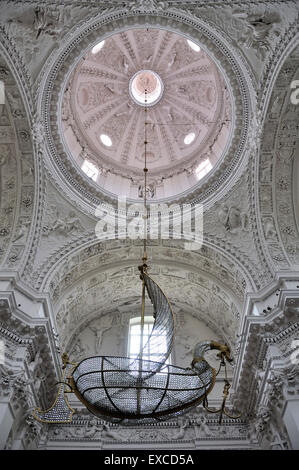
275	327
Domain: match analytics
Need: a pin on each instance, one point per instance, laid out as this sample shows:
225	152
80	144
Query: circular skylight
97	47
189	138
193	46
106	140
149	82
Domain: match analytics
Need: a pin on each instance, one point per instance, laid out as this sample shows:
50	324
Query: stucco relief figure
22	231
26	43
116	319
168	112
59	225
107	432
46	20
15	105
10	350
4	154
34	368
183	423
150	191
99	334
252	431
269	228
63	319
255	130
4	121
148	59
7	379
258	29
4	73
172	60
37	360
187	349
279	442
73	222
77	431
263	418
232	218
64	226
59	433
201	427
40	23
28	169
151	124
92	429
125	65
277	103
38	133
266	173
78	350
182	90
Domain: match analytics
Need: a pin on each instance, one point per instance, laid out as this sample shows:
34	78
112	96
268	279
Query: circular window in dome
189	138
193	46
189	115
97	47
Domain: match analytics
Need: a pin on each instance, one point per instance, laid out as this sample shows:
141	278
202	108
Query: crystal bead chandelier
132	391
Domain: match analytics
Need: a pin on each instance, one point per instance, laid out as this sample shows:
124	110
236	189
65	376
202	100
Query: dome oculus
193	46
189	138
149	81
106	140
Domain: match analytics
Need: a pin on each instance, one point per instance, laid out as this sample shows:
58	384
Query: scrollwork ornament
146	6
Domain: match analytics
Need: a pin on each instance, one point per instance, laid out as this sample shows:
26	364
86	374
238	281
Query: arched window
203	168
135	339
90	169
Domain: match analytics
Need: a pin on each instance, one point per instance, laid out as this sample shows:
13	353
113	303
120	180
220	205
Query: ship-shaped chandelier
131	391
